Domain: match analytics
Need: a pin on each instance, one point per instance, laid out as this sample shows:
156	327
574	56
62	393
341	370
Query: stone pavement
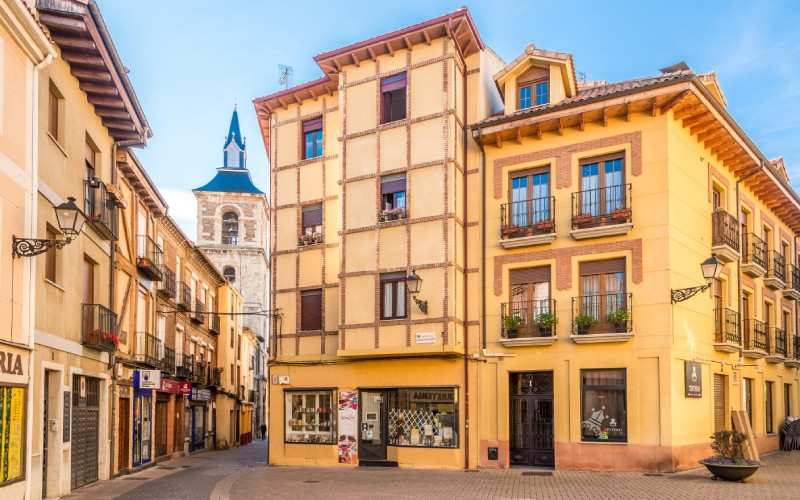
241	473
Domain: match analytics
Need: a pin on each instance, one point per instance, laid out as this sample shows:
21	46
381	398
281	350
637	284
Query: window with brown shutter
50	258
311	310
90	154
52	114
312	219
394	296
393	98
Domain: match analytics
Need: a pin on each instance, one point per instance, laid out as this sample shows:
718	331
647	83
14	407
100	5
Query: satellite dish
286	75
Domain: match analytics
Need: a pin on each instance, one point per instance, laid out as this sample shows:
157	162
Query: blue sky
190	60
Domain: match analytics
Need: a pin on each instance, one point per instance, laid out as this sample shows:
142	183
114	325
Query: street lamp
70	220
414	283
712	267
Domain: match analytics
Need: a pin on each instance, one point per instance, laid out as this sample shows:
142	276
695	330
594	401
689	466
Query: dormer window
534	94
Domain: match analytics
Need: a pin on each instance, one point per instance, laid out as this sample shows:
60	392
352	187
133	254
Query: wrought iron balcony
534	318
168	361
216	377
725	236
213	324
606	206
200	371
777	345
754	256
241	393
776	272
167	285
792	288
727	337
185	297
149	259
755	338
99	328
198	315
148	349
184	368
610	313
101	212
529	222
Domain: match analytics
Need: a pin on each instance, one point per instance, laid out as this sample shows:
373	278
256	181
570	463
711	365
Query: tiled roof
231	181
595	93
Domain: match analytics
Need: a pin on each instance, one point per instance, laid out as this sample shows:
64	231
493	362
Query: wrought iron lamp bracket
28	247
682	294
422	304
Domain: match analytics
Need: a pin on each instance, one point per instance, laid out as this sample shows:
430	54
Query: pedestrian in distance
263	431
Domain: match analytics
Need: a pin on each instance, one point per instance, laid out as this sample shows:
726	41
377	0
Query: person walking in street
263	431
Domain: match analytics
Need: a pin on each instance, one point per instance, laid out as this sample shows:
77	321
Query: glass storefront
603	406
310	417
423	417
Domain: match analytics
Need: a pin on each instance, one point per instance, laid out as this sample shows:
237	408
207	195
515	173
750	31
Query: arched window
230	274
230	228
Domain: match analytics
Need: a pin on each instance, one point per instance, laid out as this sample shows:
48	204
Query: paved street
240	473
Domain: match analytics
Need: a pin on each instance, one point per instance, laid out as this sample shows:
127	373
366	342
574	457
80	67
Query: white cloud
182	208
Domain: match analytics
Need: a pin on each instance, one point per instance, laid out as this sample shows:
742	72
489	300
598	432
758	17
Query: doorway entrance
372	430
142	430
531	419
124	433
85	430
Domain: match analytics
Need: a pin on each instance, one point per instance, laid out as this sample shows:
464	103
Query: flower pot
583	329
545	331
621	327
512	333
731	472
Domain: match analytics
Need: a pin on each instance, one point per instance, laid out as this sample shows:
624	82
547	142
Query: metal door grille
532	441
85	430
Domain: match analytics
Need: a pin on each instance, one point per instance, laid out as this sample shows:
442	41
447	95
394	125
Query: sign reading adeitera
693	379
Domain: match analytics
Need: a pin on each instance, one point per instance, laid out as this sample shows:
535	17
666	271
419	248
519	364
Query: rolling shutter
312	215
719	402
393	184
312	125
311	310
539	274
602	266
393	83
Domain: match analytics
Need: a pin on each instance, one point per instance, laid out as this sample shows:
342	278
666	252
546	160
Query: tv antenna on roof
581	76
286	75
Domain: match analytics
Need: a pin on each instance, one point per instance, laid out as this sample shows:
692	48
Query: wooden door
124	432
720	403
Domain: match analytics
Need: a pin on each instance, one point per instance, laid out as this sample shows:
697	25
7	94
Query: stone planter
731	472
583	329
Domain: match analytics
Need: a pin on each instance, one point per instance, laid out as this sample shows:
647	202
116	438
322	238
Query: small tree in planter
546	322
728	462
620	319
511	325
584	322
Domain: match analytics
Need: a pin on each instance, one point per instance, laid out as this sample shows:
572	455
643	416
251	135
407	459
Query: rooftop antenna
286	75
581	76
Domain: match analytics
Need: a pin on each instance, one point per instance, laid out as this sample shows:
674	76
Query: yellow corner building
480	265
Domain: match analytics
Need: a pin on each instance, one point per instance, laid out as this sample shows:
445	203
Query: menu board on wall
12	419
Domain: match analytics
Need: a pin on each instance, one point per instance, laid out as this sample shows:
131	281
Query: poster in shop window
348	427
12	405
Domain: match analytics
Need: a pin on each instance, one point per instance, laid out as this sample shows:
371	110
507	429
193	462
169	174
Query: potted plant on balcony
620	213
582	218
620	319
511	326
545	225
546	322
510	230
728	462
584	322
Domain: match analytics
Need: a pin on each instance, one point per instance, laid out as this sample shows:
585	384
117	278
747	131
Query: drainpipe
739	260
466	266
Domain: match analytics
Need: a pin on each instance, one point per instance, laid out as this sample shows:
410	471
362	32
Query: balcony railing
213	324
755	335
198	315
148	349
532	318
777	346
101	212
793	280
200	372
726	326
99	328
755	250
777	266
149	258
241	393
185	297
527	217
167	284
796	347
392	214
216	377
184	368
603	313
724	235
168	361
600	207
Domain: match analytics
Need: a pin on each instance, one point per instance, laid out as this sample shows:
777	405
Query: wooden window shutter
719	402
312	215
52	114
90	155
539	274
311	310
603	266
312	125
50	258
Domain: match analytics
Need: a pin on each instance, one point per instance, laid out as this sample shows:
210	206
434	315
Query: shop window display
423	417
310	417
603	406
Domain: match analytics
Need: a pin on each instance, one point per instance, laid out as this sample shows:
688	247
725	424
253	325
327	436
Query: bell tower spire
234	151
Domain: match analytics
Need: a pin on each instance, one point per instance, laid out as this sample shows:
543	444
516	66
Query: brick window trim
630	142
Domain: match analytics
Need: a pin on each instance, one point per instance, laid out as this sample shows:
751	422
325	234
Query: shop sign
433	396
693	379
200	394
170	386
185	388
426	338
147	379
12	365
